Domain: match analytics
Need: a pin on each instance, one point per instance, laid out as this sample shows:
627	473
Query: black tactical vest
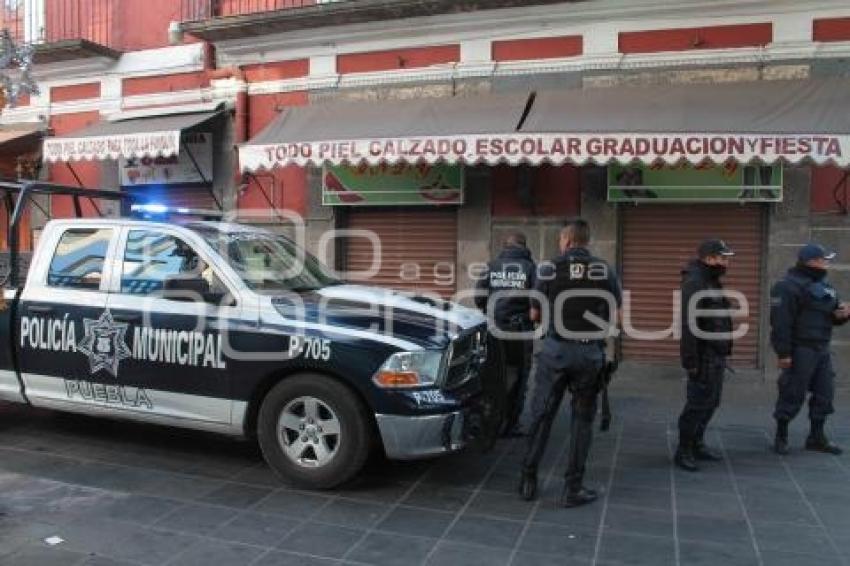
577	272
817	301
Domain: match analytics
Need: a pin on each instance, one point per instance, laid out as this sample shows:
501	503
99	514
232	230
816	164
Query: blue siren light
162	212
151	208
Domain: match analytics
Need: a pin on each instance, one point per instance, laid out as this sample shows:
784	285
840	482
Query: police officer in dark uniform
512	275
804	308
583	295
705	345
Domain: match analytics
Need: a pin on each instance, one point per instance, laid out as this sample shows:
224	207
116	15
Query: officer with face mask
583	295
507	281
706	343
804	309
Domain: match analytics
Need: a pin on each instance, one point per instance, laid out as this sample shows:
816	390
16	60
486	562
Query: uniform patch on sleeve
776	301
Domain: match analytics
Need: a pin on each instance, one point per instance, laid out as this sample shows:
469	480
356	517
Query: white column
110	94
792	27
476	58
323	70
34	21
601	45
792	36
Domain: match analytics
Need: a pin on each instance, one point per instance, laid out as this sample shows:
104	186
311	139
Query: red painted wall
88	171
125	26
397	59
542	48
831	29
717	37
93	20
234	7
556	192
164	83
143	24
74	92
287	186
824	181
276	71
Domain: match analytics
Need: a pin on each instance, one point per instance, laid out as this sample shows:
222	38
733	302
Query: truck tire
314	431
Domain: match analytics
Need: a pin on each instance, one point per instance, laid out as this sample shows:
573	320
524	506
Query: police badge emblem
104	343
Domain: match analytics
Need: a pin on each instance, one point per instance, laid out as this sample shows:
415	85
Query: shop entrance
418	248
658	240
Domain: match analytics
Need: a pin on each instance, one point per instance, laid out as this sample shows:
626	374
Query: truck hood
424	321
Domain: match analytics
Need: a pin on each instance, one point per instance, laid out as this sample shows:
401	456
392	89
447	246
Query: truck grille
468	354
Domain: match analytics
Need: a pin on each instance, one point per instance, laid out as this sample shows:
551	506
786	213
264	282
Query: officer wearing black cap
804	308
512	275
706	343
583	295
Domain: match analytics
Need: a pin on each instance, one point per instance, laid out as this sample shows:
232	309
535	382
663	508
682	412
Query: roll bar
25	190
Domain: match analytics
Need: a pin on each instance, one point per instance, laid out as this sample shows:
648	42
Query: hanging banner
554	148
730	182
176	169
392	185
142	144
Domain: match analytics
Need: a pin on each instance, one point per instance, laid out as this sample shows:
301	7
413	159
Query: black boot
685	457
581	437
780	443
818	442
577	496
528	485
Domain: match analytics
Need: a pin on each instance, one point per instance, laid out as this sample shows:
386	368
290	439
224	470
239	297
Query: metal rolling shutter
423	237
658	241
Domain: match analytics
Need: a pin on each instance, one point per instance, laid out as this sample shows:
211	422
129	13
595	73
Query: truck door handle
128	317
41	309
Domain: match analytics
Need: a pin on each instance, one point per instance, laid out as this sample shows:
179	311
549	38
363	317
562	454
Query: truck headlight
412	369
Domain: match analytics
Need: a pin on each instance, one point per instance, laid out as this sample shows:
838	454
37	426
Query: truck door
175	356
64	345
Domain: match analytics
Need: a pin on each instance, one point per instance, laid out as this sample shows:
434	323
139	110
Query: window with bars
49	21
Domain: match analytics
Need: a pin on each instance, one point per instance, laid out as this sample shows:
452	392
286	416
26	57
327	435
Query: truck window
152	257
268	262
79	259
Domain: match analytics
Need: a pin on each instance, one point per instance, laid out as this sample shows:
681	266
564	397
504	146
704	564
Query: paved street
119	493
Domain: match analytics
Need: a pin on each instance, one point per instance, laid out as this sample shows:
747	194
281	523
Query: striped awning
764	121
152	136
12	133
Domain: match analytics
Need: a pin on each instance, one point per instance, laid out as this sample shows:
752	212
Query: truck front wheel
314	431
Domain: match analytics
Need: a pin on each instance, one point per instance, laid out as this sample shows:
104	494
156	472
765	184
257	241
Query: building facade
223	73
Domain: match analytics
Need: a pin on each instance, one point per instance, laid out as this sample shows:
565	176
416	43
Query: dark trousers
518	365
810	372
562	366
703	398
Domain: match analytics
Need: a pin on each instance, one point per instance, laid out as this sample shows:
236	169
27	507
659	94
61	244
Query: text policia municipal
189	348
567	147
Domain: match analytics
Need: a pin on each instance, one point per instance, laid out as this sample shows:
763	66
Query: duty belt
597	341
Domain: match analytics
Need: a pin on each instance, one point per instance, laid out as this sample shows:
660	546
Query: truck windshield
268	262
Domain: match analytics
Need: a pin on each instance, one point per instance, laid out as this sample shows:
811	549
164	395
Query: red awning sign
553	148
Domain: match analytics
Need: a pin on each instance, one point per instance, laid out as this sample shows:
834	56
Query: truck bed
24	260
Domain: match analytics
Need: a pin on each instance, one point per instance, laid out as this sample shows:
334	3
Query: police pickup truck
231	328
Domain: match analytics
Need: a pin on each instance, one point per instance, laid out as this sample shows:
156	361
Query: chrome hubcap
308	432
